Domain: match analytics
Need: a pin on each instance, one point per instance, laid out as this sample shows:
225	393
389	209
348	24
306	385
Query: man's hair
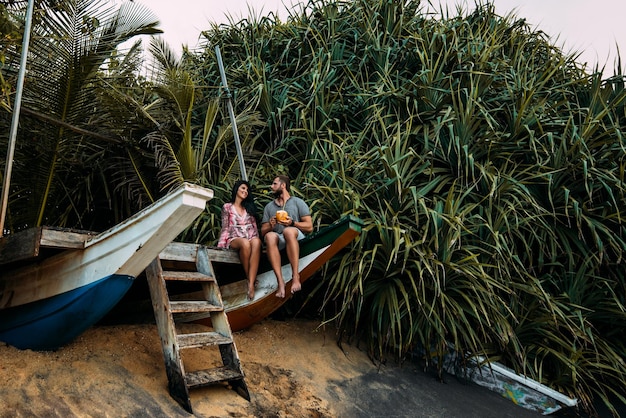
286	181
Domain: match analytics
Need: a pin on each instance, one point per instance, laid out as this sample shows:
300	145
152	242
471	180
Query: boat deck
42	242
39	243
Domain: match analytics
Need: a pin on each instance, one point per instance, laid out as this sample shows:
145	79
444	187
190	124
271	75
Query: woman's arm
223	240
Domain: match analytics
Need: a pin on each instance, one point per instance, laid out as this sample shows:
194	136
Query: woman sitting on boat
240	231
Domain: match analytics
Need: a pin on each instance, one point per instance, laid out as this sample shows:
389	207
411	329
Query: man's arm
305	224
265	228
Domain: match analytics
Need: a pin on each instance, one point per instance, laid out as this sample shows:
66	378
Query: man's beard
278	194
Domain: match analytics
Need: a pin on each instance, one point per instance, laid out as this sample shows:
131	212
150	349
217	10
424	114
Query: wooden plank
207	377
202	339
180	251
64	239
27	244
222	255
167	332
192	306
187	276
20	246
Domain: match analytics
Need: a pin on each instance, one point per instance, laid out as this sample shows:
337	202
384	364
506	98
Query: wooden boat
315	250
55	284
519	389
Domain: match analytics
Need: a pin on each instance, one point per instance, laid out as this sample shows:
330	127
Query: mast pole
231	113
16	115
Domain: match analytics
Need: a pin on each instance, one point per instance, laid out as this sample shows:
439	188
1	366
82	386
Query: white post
16	116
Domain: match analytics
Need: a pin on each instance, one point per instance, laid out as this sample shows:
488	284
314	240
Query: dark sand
293	369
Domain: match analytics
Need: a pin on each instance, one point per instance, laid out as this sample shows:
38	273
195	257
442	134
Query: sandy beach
293	368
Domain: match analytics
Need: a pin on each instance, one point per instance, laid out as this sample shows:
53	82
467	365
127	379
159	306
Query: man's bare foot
295	283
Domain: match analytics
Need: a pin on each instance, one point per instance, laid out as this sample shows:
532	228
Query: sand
293	368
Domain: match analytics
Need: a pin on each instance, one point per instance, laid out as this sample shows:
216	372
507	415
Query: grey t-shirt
295	207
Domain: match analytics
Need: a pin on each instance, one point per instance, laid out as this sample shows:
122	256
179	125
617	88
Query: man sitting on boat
284	230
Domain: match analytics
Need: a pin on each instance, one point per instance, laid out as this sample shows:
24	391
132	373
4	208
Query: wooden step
193	306
207	302
187	276
210	376
202	339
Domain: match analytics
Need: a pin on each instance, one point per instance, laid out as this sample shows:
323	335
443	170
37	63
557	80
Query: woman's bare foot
251	291
295	283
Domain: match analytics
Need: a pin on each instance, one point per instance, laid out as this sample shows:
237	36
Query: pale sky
593	28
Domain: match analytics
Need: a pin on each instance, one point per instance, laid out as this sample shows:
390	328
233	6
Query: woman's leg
243	246
253	265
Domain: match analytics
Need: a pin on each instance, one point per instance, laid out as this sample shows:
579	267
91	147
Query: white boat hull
44	305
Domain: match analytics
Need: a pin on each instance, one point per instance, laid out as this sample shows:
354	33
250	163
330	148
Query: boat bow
49	302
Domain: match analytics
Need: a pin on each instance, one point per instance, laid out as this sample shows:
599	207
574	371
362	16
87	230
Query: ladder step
206	303
188	276
202	339
207	377
192	306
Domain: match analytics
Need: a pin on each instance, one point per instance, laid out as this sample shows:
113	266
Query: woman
240	231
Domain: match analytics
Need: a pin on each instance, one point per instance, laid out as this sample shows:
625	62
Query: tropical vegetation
487	164
71	135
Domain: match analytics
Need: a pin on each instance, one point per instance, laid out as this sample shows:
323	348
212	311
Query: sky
594	29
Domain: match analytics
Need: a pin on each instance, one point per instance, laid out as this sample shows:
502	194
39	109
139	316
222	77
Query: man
286	232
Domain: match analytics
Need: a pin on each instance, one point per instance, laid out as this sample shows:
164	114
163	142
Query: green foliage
67	134
488	166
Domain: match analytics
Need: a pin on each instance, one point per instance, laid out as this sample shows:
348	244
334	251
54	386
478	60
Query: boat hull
89	280
53	322
521	390
315	251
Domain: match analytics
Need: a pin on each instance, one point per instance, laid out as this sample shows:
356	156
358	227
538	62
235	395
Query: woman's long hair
248	203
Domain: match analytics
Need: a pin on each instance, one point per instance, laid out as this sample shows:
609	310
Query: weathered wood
222	255
209	302
202	339
194	306
20	246
27	244
64	239
165	325
202	378
187	276
179	251
315	251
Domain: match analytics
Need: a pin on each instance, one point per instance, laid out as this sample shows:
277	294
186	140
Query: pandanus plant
487	164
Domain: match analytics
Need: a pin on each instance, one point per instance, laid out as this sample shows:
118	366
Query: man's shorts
281	239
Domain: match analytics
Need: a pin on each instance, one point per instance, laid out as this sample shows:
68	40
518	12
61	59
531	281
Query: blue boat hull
53	322
49	299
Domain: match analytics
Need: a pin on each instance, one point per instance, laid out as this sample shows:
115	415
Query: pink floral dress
236	226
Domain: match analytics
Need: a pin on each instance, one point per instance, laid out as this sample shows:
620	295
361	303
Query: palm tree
185	141
67	133
9	36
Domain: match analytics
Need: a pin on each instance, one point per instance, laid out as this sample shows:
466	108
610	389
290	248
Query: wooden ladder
173	340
